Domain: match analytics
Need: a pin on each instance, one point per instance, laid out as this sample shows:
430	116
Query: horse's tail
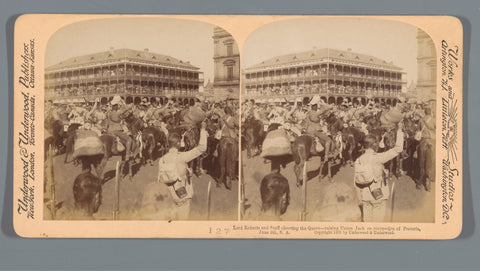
149	142
301	153
351	141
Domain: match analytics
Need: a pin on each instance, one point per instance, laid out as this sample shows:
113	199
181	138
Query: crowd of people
319	88
294	116
174	119
406	120
117	89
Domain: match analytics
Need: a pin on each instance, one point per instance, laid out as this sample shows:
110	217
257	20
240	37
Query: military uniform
374	207
115	125
182	204
426	156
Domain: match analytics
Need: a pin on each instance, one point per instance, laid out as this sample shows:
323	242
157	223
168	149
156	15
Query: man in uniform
181	189
149	118
115	116
96	117
426	157
230	123
375	193
314	125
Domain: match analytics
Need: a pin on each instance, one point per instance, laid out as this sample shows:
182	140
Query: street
143	198
410	204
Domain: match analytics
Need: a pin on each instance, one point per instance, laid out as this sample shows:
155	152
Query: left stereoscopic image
141	121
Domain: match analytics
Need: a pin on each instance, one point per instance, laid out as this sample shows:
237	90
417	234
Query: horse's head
411	127
212	126
275	193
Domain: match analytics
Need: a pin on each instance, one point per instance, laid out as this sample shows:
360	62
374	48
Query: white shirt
376	163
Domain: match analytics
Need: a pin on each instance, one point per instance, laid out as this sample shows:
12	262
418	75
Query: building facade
334	75
426	67
226	59
128	73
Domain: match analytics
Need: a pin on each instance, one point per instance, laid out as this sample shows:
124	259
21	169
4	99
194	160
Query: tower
427	68
226	58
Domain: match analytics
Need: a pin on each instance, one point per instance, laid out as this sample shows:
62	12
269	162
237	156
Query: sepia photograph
141	121
338	121
238	126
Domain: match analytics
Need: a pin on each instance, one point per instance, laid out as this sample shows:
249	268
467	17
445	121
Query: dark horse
411	144
87	193
70	140
153	139
58	135
252	135
99	161
304	147
191	136
275	193
110	147
352	137
227	158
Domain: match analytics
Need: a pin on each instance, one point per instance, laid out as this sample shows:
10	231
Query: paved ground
143	197
410	204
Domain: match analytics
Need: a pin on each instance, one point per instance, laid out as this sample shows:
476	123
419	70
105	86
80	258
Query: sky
387	40
186	40
192	41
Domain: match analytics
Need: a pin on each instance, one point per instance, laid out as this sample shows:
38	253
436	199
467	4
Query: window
229	49
229	72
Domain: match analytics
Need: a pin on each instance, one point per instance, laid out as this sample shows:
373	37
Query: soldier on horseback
314	124
119	112
95	118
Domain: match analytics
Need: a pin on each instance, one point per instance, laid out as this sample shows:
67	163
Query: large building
128	73
426	67
226	59
334	75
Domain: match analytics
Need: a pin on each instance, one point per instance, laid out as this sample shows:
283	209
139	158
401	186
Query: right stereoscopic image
338	122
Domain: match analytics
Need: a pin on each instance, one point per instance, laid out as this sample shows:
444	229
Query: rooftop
118	55
324	53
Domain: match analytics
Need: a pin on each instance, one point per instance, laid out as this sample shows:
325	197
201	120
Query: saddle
117	144
317	146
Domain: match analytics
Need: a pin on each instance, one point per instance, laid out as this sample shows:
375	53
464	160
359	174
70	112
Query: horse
389	139
304	147
58	135
110	148
87	193
152	137
410	146
253	135
275	194
352	138
70	140
227	159
191	136
134	124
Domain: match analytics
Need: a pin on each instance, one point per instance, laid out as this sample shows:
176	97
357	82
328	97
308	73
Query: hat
116	100
391	117
314	100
